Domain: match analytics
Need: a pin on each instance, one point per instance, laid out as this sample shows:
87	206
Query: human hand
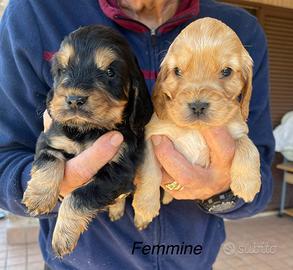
47	120
199	183
80	169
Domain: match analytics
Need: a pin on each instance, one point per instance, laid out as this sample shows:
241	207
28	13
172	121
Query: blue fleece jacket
30	32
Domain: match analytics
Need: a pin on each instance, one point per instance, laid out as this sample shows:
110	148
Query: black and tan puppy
98	87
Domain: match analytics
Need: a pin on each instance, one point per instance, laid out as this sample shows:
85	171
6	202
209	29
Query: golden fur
39	185
104	57
63	142
192	71
63	56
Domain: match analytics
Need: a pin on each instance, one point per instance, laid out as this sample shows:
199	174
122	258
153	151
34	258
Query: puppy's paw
145	211
116	211
64	241
42	192
72	221
39	203
116	216
245	189
167	198
142	221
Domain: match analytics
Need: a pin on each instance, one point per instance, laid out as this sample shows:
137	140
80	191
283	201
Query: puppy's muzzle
75	102
198	107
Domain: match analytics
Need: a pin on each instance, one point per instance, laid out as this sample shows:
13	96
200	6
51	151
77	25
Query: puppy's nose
198	107
75	101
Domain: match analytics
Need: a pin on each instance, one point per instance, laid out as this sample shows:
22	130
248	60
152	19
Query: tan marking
66	144
43	188
104	57
121	150
106	112
64	54
116	210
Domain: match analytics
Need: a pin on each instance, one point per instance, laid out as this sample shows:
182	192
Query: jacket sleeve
22	101
259	122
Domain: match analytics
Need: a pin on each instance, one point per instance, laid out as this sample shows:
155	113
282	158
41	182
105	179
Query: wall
278	25
279	3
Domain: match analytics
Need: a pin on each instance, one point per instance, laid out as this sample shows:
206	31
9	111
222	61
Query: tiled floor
18	257
258	244
264	243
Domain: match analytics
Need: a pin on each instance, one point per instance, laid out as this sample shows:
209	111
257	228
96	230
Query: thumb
47	120
84	166
221	145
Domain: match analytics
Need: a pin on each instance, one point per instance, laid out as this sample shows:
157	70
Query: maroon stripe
113	11
150	74
186	10
170	26
47	56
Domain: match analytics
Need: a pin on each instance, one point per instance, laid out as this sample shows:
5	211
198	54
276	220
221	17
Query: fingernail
156	139
116	139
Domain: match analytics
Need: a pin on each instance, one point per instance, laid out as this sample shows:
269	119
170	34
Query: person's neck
152	13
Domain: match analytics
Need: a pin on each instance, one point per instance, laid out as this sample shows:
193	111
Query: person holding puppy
30	33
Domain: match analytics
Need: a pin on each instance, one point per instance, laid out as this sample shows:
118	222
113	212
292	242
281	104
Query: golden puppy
202	77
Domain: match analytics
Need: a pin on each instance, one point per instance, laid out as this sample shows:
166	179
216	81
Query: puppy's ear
246	92
54	65
158	96
49	98
140	104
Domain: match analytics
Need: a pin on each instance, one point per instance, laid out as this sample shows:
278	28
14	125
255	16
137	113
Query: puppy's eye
226	72
110	72
177	71
61	70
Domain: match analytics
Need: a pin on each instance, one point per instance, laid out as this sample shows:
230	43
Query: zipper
153	37
174	20
153	30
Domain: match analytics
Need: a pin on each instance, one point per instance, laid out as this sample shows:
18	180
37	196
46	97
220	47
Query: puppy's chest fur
71	141
190	142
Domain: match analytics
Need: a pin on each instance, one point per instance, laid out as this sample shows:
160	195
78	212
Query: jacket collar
186	10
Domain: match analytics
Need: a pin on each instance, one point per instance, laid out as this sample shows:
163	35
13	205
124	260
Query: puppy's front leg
116	210
245	170
81	206
146	199
73	219
43	188
167	198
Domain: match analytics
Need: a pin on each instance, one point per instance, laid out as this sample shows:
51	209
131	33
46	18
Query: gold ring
174	186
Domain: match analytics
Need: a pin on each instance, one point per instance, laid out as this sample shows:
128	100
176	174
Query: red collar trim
186	10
